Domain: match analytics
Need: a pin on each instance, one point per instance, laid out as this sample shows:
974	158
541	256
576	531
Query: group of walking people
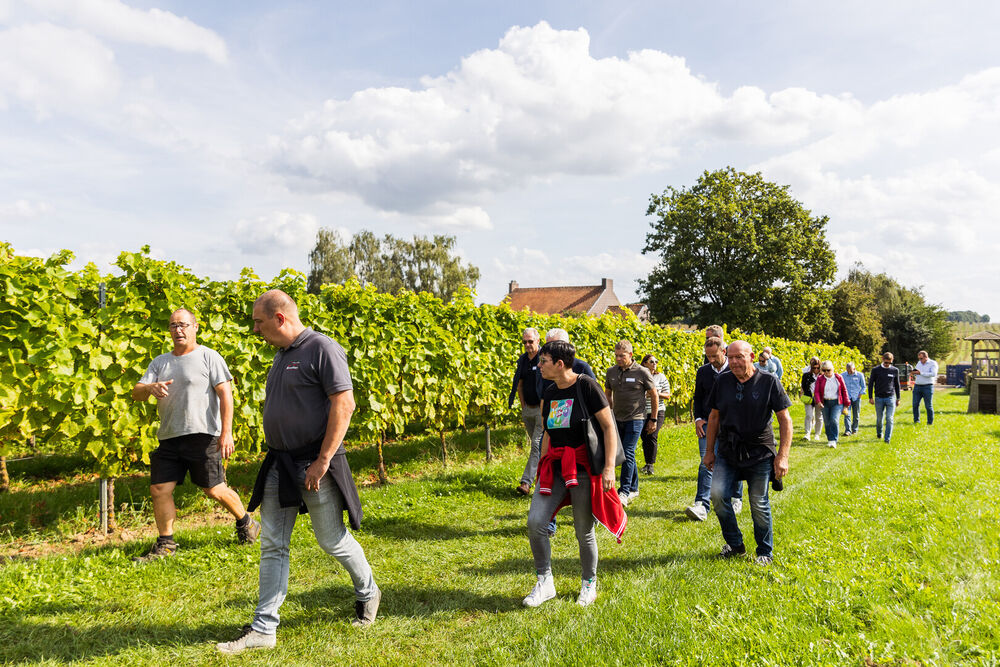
580	432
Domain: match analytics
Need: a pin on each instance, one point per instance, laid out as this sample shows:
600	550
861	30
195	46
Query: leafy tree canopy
909	323
736	249
969	316
425	264
856	320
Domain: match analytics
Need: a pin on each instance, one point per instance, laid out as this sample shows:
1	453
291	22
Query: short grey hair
849	365
557	334
532	330
624	346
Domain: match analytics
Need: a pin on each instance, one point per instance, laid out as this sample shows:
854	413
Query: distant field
963	348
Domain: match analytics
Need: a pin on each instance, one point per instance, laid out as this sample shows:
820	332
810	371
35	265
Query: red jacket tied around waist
606	506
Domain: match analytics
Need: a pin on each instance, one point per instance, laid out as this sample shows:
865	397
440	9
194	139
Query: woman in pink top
830	394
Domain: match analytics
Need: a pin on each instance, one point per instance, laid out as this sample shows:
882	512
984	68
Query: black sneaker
730	552
365	612
160	550
248	534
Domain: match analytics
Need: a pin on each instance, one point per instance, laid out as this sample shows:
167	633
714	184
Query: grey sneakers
248	534
737	505
697	512
545	589
365	612
248	639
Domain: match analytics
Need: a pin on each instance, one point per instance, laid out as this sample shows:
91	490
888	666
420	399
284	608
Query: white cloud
25	208
277	231
157	28
47	66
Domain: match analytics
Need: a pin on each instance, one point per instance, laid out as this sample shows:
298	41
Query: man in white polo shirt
924	377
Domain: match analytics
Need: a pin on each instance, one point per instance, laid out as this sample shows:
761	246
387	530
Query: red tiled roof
555	300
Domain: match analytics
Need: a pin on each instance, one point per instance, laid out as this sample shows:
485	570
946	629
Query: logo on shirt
559	413
292	366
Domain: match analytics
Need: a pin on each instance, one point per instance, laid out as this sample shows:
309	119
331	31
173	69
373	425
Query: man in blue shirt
856	387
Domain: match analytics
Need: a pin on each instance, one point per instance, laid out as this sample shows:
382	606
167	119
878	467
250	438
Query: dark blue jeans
703	495
757	477
629	432
923	392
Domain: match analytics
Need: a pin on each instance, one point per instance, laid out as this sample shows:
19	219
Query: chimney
512	286
607	284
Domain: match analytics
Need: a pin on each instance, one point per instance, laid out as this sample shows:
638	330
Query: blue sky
225	134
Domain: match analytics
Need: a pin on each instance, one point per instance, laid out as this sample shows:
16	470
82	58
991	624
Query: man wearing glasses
194	399
525	388
742	403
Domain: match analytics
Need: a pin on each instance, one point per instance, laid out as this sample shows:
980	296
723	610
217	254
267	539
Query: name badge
534	368
630	379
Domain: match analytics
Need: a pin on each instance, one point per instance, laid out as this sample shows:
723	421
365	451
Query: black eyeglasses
528	342
179	325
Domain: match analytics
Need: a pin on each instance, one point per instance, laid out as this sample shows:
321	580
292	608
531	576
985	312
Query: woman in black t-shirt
564	469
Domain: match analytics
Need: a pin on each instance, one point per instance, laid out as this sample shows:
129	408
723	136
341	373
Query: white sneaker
832	443
696	512
809	435
249	638
633	495
624	498
737	505
588	592
545	589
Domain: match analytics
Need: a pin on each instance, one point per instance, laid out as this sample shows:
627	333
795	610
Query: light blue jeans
831	419
326	509
888	407
851	422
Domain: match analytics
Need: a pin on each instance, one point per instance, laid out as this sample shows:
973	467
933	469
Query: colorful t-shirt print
559	413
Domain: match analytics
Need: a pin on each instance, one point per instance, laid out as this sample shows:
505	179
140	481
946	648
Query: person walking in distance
814	413
524	387
650	438
855	383
704	381
924	377
626	384
743	402
883	393
193	389
308	403
830	394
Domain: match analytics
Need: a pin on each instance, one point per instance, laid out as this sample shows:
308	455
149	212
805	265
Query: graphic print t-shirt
564	418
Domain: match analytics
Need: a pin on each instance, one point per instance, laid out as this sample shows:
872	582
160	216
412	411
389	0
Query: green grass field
962	354
883	555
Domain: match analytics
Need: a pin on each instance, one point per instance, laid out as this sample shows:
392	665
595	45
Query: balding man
742	403
307	409
194	399
524	388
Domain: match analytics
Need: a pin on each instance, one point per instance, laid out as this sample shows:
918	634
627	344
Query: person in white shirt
924	376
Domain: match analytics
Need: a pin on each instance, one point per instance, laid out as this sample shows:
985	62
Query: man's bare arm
341	408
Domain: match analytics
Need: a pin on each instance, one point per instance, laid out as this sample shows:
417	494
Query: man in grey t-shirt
194	399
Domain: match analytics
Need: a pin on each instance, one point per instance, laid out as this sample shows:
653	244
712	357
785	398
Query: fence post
102	487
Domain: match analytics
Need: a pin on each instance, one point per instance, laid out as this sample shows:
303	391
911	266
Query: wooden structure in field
984	376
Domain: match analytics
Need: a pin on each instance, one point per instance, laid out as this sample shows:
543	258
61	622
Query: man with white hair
855	383
742	404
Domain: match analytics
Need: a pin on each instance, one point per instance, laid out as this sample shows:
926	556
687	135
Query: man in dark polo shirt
742	403
307	409
524	388
626	385
883	393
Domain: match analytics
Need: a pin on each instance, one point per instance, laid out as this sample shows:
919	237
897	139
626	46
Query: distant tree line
968	316
738	250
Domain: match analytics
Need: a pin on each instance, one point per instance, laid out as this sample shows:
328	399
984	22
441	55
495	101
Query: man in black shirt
525	388
883	393
742	403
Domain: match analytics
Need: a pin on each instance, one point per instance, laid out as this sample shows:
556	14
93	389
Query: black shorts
198	452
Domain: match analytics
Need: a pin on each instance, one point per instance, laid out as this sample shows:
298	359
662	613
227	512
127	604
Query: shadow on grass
403	601
673	515
409	529
566	566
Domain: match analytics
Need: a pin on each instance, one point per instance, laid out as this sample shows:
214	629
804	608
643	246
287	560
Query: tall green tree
909	323
390	264
739	250
856	321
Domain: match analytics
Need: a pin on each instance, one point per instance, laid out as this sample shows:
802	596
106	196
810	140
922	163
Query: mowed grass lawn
883	555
